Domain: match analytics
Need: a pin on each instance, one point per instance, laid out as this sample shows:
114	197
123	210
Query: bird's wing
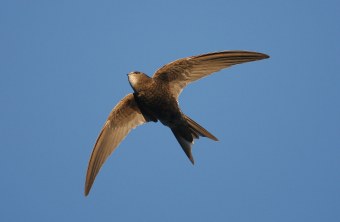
123	118
181	72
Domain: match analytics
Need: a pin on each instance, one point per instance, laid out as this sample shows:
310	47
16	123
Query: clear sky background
63	68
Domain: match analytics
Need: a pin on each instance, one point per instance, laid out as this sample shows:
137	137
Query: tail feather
182	138
187	132
197	129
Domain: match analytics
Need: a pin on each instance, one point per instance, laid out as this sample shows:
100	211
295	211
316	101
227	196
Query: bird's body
156	102
156	99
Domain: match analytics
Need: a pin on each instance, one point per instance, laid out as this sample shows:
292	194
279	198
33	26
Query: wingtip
215	139
260	55
257	55
88	187
265	56
86	191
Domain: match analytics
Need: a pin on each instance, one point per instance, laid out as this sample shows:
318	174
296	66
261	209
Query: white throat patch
133	79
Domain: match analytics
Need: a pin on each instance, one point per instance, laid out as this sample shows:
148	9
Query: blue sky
63	68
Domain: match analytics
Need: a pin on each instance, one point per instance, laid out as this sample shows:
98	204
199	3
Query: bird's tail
198	130
185	135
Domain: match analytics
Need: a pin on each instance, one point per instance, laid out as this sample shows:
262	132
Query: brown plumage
156	98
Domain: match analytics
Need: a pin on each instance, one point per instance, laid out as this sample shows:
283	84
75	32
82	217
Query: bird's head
138	80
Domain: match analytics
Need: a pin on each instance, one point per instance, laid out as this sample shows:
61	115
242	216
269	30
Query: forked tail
198	130
185	135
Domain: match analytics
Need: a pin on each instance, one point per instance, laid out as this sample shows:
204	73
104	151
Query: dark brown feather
184	71
124	117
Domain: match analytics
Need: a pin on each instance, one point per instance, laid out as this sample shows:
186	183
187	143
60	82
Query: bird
156	99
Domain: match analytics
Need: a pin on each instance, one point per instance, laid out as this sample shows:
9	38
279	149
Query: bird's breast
159	104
